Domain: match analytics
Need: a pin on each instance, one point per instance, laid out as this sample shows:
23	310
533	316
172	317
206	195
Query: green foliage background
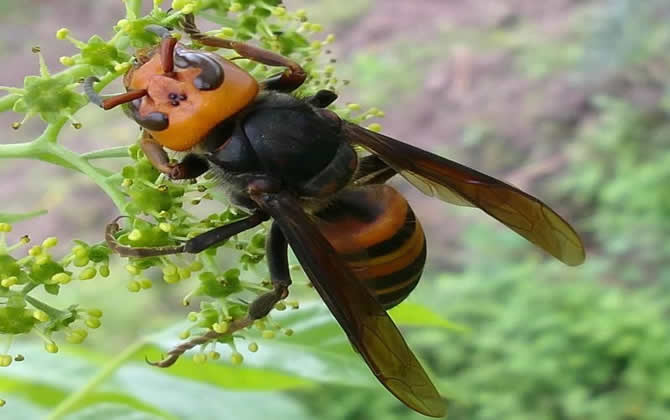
542	341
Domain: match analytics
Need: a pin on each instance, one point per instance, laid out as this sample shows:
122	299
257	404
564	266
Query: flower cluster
21	313
159	212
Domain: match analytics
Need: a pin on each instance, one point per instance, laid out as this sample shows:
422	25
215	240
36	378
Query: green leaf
109	411
417	315
19	217
133	391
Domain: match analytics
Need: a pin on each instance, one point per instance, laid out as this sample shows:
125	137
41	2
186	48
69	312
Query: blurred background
567	99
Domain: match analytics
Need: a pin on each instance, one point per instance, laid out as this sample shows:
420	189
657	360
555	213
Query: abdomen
377	235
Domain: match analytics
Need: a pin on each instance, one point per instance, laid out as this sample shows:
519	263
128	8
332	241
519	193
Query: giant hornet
293	161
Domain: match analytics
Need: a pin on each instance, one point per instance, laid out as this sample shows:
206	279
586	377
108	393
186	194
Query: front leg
190	167
288	80
192	246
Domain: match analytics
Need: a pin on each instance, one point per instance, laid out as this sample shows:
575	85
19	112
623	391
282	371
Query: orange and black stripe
377	234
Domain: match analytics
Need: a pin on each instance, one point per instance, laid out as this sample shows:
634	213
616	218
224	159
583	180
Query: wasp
294	162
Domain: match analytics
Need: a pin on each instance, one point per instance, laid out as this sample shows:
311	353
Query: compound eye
154	121
212	74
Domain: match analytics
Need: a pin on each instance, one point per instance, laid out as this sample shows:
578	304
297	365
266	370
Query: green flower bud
165	227
95	313
5	360
104	270
81	261
220	327
50	242
9	281
134	287
268	334
93	323
88	273
214	355
40	315
80	251
44	272
170	269
67	62
199	358
236	358
62	33
132	269
51	347
61	278
171	278
77	336
184	273
253	347
375	127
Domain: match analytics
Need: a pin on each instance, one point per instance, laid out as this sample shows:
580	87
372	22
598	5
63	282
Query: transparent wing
452	182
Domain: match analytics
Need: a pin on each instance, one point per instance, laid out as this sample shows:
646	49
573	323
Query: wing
368	326
454	183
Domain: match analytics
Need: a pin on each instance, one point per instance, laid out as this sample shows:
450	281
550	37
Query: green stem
133	8
38	304
112	152
28	288
86	168
68	404
7	101
31	150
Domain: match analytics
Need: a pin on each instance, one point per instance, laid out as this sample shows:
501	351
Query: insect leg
277	256
286	81
190	167
192	246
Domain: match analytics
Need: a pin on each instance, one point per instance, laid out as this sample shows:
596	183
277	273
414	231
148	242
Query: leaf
19	217
109	411
187	399
417	315
20	409
134	391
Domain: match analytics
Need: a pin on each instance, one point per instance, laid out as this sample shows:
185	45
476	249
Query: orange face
181	107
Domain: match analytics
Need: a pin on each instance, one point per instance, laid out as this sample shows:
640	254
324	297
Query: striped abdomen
375	231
